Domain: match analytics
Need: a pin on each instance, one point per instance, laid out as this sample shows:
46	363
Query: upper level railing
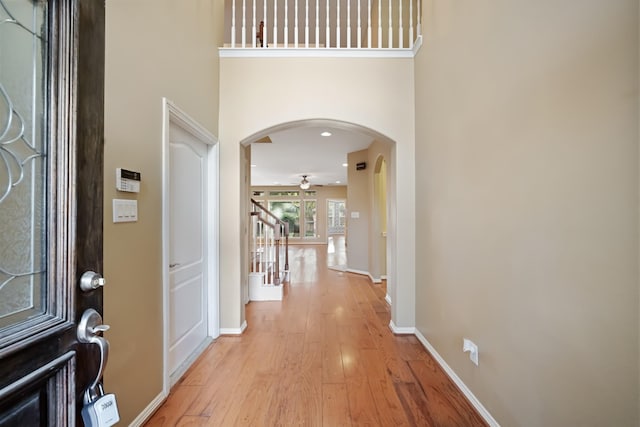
323	24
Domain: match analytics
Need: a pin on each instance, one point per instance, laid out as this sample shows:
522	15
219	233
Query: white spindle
272	252
379	24
254	240
359	36
275	23
233	23
244	23
327	36
317	24
348	24
260	247
390	26
306	25
255	44
286	23
338	25
295	36
400	31
411	24
419	17
369	25
265	31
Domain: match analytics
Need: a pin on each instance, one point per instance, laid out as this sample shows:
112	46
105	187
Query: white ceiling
303	151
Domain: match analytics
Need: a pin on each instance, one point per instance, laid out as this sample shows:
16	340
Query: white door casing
189	240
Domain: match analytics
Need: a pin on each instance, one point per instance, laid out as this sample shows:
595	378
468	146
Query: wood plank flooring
324	356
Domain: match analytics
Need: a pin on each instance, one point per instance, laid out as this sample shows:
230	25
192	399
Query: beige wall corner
154	49
527	141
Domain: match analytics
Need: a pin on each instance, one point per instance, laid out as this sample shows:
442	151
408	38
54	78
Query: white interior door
187	246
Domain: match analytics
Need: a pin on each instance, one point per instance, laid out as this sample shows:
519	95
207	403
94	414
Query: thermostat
127	180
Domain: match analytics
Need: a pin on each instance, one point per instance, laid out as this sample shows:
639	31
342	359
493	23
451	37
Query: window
310	228
284	193
287	211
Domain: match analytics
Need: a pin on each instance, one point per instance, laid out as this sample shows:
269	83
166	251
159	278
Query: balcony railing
323	24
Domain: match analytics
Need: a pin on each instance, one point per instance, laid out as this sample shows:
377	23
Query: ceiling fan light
304	184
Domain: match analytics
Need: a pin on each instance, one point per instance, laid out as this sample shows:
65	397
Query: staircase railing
268	252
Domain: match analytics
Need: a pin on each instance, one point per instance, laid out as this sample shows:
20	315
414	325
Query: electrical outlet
472	348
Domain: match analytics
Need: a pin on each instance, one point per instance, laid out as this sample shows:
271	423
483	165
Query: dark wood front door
51	209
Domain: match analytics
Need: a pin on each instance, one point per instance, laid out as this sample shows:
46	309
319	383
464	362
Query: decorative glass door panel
23	163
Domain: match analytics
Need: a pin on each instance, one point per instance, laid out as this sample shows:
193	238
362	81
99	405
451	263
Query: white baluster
306	25
295	36
253	243
419	17
286	23
359	36
400	30
275	23
369	25
411	24
260	248
244	23
327	36
390	26
265	32
253	32
233	23
379	24
317	24
338	24
348	24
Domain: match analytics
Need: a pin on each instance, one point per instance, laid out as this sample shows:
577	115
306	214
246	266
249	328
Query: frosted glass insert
23	166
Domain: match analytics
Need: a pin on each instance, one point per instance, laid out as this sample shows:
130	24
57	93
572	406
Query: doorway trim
173	115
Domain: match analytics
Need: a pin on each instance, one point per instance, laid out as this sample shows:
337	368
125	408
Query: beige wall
527	170
154	49
378	151
342	89
358	203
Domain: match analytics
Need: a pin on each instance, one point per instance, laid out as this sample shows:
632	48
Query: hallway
323	356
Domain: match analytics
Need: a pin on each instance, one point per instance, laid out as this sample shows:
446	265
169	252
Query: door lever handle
88	329
99	328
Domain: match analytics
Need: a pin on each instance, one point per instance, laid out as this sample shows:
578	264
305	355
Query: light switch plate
125	210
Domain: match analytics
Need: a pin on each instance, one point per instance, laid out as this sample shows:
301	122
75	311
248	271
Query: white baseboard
401	330
149	410
456	379
364	273
234	331
387	298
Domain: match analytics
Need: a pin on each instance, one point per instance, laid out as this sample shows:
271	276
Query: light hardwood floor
324	356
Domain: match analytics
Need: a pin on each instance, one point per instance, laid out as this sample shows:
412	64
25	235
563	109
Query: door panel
51	147
187	249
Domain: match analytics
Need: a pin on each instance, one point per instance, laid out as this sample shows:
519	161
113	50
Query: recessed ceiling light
325	133
253	166
337	182
345	164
